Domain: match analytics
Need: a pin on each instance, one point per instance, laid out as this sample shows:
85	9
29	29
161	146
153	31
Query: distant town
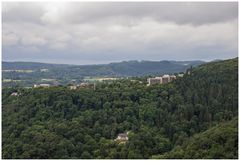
91	83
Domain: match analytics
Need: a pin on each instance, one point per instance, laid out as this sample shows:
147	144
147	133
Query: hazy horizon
103	32
13	61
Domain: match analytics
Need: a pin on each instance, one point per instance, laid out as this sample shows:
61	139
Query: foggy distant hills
125	68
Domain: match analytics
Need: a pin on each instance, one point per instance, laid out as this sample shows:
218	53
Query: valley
192	117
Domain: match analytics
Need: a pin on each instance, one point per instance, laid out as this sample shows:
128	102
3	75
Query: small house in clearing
122	138
14	94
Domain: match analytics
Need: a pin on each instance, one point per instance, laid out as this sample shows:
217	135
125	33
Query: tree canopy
191	117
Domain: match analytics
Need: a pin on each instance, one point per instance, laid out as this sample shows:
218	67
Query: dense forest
192	117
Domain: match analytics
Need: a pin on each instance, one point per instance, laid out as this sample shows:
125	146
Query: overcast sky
103	32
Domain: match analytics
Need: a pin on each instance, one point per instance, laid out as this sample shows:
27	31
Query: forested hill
126	68
191	117
219	141
30	65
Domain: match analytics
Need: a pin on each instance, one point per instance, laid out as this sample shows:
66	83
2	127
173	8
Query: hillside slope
218	142
162	120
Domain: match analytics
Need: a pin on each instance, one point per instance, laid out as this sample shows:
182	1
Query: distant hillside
136	68
65	73
125	68
30	65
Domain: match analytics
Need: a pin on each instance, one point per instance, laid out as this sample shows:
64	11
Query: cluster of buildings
41	85
72	87
161	80
100	79
83	85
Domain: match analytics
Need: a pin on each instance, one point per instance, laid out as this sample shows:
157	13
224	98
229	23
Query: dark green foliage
192	117
218	142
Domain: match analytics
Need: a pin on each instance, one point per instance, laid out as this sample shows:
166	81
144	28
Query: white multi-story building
172	77
165	79
156	80
161	80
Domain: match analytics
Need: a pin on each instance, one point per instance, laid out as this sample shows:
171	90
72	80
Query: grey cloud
84	12
22	12
182	13
106	32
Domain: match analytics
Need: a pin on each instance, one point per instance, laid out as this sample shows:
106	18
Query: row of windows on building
162	80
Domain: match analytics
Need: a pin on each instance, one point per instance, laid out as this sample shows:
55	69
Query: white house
122	137
14	94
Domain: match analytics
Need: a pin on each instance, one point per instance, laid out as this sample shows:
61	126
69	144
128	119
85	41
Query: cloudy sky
103	32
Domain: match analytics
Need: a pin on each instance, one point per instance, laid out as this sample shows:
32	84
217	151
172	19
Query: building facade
161	80
156	80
